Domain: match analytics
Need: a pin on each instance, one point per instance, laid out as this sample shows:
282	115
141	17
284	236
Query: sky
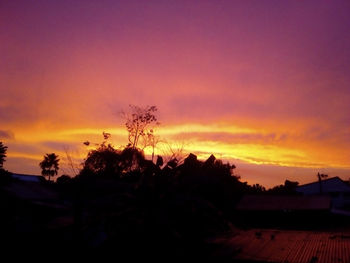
262	84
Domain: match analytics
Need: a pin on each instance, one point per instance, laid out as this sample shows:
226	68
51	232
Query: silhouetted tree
288	188
110	162
139	122
257	189
73	166
106	137
103	161
290	185
63	179
159	162
132	160
173	152
3	150
49	165
151	140
211	180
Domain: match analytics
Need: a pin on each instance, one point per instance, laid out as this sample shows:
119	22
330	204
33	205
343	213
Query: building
283	211
331	186
28	178
337	189
284	203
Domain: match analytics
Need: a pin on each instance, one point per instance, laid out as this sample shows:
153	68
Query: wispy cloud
9	135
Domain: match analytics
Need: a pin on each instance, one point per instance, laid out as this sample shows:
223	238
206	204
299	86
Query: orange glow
258	147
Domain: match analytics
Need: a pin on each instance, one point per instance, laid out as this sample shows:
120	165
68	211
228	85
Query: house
283	211
283	203
28	178
331	186
337	189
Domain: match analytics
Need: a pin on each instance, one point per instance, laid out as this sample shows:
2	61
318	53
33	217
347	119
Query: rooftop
286	202
289	246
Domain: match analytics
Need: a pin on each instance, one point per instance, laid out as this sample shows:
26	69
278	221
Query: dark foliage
63	179
103	161
289	188
120	202
139	122
5	177
3	150
125	203
50	165
108	162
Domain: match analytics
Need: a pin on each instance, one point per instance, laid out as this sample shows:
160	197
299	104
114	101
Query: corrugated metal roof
273	203
290	246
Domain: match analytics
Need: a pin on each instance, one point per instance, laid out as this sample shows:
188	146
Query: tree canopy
139	122
3	150
50	165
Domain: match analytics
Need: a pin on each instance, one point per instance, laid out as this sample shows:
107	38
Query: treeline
155	207
122	203
139	203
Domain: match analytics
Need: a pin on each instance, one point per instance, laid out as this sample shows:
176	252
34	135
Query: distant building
284	203
28	178
33	190
332	186
337	189
282	211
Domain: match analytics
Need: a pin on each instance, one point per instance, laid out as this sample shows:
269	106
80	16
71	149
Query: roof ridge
327	179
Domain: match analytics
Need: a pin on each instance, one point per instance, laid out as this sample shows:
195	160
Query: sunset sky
262	84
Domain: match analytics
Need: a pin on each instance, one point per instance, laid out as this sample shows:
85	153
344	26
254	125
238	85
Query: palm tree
3	150
49	165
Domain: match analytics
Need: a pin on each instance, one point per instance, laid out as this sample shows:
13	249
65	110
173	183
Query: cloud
61	146
295	161
272	175
9	135
232	138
